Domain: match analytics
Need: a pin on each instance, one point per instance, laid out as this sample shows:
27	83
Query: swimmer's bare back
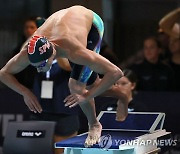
75	21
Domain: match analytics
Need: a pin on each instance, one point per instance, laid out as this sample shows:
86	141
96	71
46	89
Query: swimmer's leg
122	103
88	108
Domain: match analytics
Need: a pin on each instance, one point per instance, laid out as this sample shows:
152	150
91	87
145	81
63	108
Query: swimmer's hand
75	99
32	102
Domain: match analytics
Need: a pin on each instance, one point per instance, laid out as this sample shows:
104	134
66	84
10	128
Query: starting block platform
138	134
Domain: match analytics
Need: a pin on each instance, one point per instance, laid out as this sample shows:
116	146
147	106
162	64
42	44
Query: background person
67	121
174	61
153	75
127	85
31	24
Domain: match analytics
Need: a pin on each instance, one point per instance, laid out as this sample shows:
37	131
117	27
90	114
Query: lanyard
48	72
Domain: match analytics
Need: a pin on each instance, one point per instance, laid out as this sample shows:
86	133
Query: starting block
138	134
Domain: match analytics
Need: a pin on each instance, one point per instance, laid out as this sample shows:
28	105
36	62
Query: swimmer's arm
169	23
82	56
14	65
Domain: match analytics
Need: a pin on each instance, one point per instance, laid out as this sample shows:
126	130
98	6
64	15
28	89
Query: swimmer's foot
122	110
93	135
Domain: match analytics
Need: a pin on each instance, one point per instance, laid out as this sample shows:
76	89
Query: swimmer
74	33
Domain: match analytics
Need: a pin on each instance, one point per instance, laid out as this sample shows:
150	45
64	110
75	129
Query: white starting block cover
138	132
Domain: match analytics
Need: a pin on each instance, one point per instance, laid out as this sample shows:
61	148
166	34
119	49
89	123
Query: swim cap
39	49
